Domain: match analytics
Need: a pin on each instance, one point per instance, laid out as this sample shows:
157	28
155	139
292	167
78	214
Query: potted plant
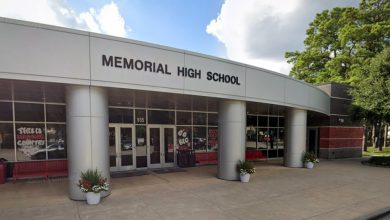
92	183
245	168
309	159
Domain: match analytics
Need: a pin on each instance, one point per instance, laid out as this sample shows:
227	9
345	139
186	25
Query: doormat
169	170
129	174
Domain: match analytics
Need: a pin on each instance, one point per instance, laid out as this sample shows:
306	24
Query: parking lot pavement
338	189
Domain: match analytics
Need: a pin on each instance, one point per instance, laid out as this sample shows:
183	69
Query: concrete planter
245	178
92	198
309	165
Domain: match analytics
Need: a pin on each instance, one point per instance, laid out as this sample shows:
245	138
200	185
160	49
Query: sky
255	32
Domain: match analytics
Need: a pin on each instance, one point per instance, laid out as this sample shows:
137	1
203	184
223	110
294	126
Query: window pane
213	119
29	112
161	117
55	93
212	139
183	118
251	120
7	150
262	138
140	116
55	113
120	97
56	141
212	105
183	102
184	137
6	111
251	137
199	118
199	103
161	100
120	115
280	138
140	143
273	121
140	99
30	142
262	109
199	140
5	89
273	132
251	108
263	121
28	91
281	121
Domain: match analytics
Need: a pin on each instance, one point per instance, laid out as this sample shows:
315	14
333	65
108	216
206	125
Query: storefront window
199	140
212	105
28	91
251	120
184	137
29	112
183	118
5	90
212	119
120	115
251	137
120	97
263	121
212	139
262	138
30	141
140	116
199	103
56	141
199	118
55	113
183	102
160	100
7	141
54	93
6	111
273	121
161	117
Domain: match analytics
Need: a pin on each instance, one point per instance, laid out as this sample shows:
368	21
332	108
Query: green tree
340	41
372	94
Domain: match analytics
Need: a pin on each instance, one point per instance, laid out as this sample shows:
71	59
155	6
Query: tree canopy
341	41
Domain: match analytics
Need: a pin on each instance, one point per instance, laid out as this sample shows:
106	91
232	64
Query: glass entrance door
122	147
161	146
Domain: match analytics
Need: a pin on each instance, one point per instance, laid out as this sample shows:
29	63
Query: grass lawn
371	151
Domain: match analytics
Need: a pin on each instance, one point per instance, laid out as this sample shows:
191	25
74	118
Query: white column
231	138
87	134
295	137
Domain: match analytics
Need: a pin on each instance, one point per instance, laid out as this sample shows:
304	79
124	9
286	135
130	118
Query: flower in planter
92	181
246	167
310	157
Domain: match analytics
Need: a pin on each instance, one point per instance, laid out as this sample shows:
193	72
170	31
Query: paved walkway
340	189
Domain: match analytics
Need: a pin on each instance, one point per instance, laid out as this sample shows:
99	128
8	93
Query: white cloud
259	32
107	19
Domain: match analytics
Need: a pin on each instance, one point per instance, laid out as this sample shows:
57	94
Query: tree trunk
365	134
380	136
373	135
385	135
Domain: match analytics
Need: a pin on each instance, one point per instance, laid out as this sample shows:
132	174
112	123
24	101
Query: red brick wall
341	137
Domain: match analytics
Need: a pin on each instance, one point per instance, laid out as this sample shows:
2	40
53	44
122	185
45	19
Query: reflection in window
199	140
56	137
29	112
161	117
7	141
251	137
6	111
55	113
199	118
212	139
120	115
183	118
28	91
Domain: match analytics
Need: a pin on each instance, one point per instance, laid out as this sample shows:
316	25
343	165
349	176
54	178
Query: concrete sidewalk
340	189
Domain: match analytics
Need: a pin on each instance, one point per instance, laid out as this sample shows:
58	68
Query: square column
87	134
231	138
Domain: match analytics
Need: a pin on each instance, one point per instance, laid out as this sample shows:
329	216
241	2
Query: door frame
162	141
118	150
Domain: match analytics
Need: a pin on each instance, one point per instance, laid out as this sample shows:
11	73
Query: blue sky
255	32
174	23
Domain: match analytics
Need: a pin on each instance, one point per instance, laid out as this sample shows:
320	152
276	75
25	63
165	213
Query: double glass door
121	147
161	141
